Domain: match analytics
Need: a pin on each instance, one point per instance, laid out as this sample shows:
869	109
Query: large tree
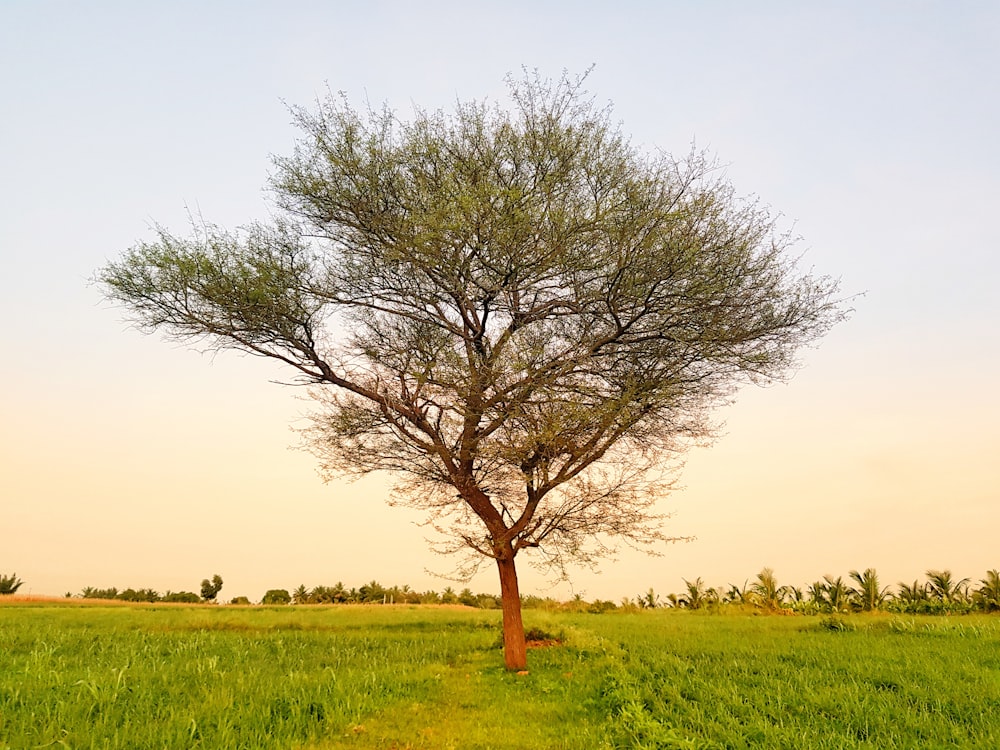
516	312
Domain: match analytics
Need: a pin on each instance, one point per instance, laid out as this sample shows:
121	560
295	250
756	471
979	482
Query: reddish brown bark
515	652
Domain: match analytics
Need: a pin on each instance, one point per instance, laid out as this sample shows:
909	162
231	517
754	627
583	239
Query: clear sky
871	127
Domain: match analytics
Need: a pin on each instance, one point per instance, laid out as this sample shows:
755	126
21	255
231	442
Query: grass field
427	677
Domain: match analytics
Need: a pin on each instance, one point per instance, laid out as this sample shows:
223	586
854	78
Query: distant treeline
210	588
139	595
940	593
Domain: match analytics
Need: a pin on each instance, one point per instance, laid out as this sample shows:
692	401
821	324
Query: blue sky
870	127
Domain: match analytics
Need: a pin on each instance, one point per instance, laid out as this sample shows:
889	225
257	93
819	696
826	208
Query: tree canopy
211	588
517	312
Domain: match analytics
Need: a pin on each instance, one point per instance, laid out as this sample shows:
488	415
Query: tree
372	593
797	595
769	593
140	595
988	595
329	595
517	313
836	593
912	596
211	589
696	596
649	600
942	586
741	595
181	597
869	594
10	584
277	596
817	595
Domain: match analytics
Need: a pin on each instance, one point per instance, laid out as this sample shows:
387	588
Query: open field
427	677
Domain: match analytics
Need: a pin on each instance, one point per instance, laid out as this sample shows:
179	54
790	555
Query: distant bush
92	593
181	597
836	623
277	596
536	634
487	601
239	600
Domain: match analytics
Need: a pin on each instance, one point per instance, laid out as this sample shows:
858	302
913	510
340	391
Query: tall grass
775	682
422	677
211	677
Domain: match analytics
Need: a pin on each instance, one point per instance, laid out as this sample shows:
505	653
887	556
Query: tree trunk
515	654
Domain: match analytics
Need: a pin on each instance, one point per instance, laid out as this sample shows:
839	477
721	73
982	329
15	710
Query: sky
869	127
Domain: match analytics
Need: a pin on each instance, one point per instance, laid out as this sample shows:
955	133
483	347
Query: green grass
423	677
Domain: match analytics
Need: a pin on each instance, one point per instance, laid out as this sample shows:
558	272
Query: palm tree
696	594
988	595
836	593
868	595
649	600
911	595
321	595
300	595
744	595
770	594
817	594
944	588
340	595
10	584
